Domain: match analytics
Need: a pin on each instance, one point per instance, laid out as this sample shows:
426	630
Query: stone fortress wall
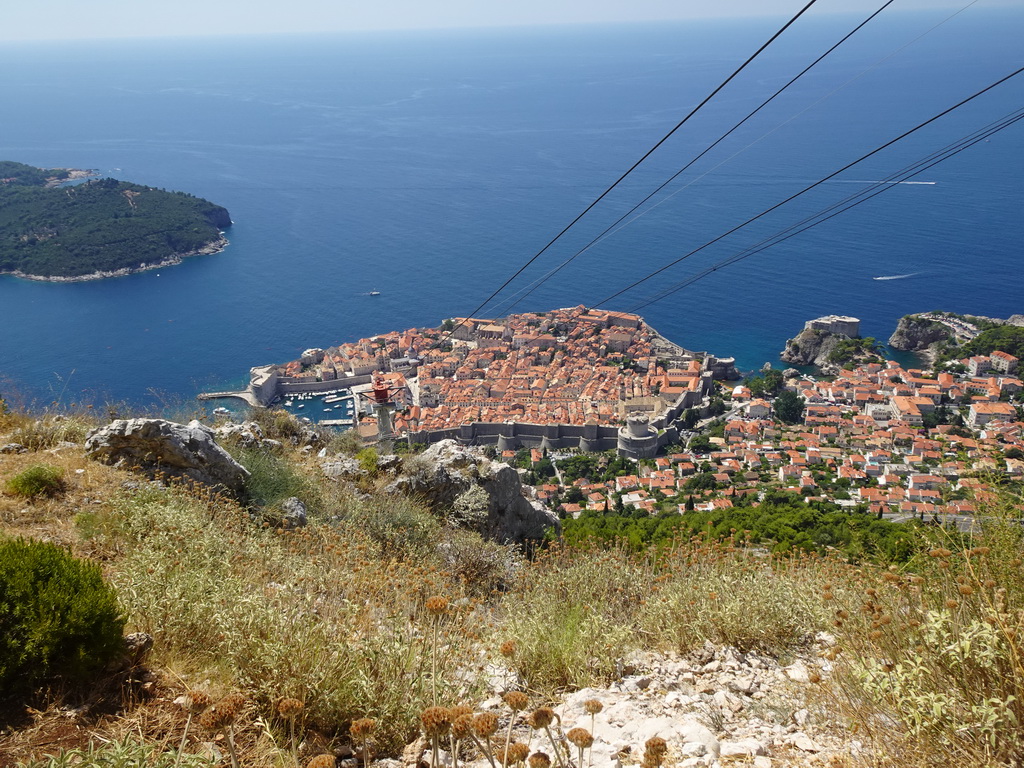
841	324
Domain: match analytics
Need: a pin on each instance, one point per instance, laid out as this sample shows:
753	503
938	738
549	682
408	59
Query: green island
99	228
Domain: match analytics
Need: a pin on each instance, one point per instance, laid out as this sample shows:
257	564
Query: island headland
829	343
98	228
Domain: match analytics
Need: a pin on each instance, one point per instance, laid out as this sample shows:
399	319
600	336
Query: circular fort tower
638	439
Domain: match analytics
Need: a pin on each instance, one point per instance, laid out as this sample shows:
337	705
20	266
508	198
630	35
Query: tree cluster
103	225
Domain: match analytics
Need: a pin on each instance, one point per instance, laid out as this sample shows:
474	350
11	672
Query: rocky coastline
216	246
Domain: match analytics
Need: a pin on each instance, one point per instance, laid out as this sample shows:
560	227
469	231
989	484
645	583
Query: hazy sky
86	19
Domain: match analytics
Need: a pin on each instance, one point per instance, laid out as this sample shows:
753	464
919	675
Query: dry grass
929	664
313	613
927	669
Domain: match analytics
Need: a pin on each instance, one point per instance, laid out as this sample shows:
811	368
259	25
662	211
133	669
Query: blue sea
429	166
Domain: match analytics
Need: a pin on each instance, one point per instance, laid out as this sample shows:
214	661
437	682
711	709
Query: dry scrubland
344	634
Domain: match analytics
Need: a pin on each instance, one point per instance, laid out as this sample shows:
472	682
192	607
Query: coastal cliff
916	333
830	343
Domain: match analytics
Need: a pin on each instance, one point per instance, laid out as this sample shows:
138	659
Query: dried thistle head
508	649
485	725
580	737
436	721
517	700
361	729
541	717
322	761
196	702
459	710
462	726
224	713
656	747
516	753
437	606
592	706
289	708
540	760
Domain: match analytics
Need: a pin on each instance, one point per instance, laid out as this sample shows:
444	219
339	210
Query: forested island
99	228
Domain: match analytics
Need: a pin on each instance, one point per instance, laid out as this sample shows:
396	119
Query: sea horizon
430	172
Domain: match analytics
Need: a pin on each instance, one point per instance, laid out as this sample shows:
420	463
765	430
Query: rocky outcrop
446	477
715	707
828	350
915	333
809	348
159	447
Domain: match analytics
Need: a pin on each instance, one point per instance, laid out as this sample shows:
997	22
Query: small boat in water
221	411
375	293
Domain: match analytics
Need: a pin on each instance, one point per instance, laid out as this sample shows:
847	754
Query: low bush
38	480
273	478
930	661
573	616
47	432
312	613
58	618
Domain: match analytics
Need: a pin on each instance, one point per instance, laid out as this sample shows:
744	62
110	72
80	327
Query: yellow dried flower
656	747
289	708
361	729
196	702
459	710
966	590
517	700
223	713
951	604
437	606
485	724
580	737
462	726
516	753
540	760
592	706
541	717
508	649
322	761
436	721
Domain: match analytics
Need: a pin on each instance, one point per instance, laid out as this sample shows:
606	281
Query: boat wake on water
895	277
856	181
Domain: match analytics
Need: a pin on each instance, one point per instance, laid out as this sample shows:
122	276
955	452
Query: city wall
287	386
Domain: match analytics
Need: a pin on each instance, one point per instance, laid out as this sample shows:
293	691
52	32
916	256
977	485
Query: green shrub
273	479
58	618
368	459
38	480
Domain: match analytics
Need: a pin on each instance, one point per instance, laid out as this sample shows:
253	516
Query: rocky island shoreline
170	261
55	230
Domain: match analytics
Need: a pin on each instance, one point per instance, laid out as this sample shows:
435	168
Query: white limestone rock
156	446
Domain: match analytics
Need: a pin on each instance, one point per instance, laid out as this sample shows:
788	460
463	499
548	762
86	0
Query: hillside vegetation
344	636
103	225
